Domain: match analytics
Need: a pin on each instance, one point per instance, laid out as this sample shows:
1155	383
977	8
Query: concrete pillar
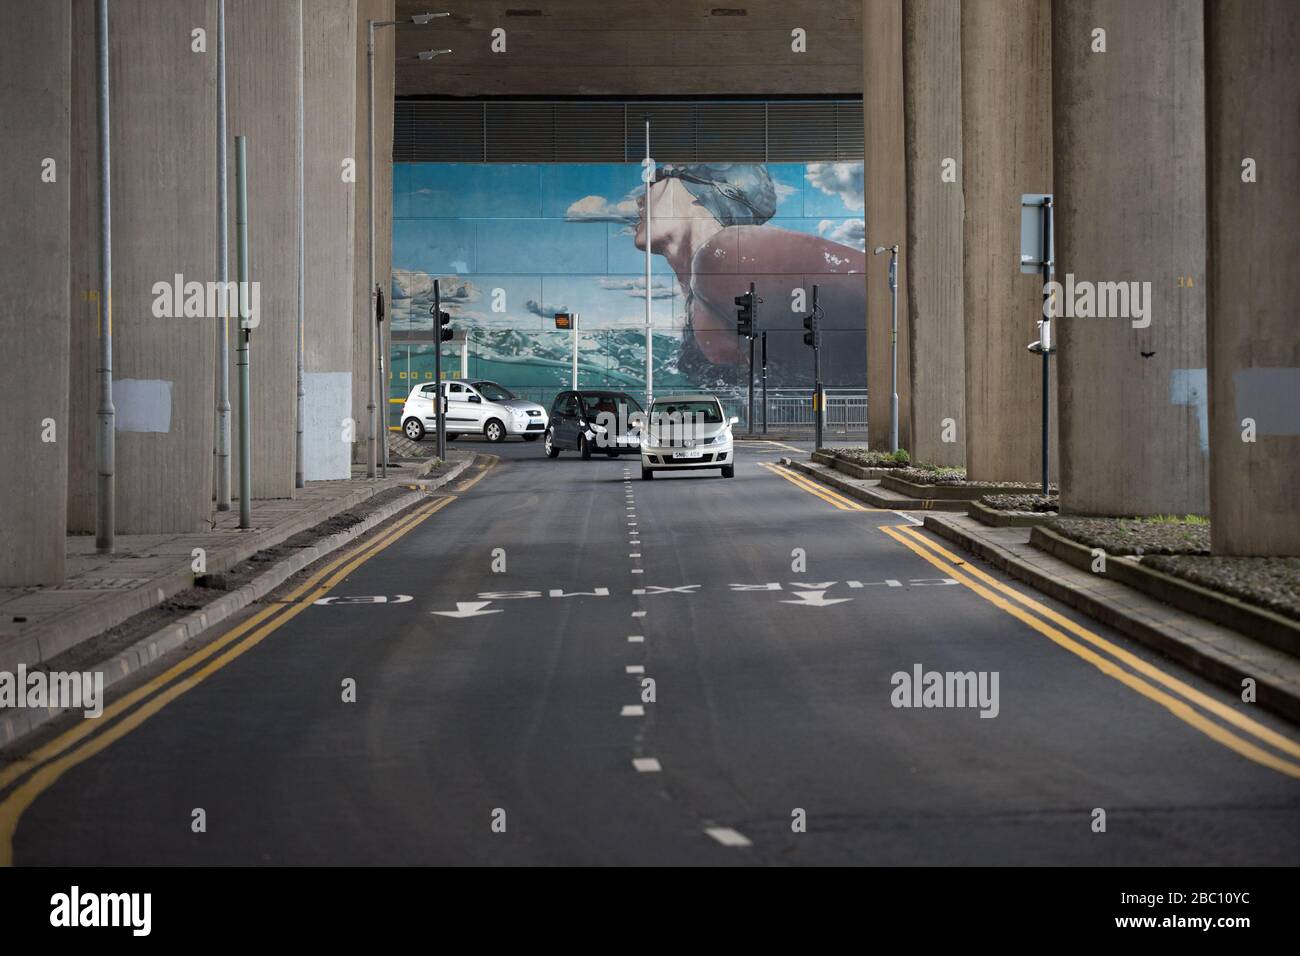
1129	168
932	145
886	214
1252	85
1006	152
164	225
329	47
372	10
35	169
262	104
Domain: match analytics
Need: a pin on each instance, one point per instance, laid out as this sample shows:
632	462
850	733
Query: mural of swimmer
515	243
710	222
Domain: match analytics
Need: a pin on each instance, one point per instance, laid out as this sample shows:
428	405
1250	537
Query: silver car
473	407
687	432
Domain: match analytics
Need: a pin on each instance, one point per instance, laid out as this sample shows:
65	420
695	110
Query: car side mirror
733	420
475	399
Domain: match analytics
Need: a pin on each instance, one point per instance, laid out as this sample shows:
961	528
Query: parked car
473	408
687	432
593	420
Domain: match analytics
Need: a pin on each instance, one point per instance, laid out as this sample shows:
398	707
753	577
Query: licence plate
688	454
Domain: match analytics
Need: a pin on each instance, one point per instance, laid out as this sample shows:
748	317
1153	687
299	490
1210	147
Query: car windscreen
702	412
494	392
622	406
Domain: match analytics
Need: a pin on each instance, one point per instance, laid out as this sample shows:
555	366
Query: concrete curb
1228	670
948	492
148	649
45	641
871	496
1006	519
1263	625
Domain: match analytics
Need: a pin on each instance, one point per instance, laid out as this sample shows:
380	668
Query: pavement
470	688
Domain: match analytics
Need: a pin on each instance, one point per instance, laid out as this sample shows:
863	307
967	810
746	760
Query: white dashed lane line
647	765
636	638
632	710
728	837
634	669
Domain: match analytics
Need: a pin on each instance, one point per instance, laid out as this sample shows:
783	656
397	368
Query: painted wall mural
514	244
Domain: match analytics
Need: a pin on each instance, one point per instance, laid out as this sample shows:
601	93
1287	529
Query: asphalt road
768	700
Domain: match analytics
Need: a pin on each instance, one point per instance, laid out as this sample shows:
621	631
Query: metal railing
787	408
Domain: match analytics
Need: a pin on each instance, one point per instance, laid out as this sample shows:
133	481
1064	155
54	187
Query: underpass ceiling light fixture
430	54
423	18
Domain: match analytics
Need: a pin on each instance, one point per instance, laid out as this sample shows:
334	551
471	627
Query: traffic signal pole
440	437
813	339
764	381
753	299
818	399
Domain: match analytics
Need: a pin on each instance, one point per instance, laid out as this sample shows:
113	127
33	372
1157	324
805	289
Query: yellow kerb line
812	490
810	486
11	810
1220	709
1178	708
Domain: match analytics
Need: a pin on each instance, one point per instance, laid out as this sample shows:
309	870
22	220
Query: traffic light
810	337
444	333
745	314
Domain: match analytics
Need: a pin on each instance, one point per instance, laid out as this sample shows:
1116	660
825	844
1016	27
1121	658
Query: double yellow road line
820	490
1174	695
1217	720
45	765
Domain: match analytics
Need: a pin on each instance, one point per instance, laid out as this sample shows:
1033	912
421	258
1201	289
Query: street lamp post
376	373
648	174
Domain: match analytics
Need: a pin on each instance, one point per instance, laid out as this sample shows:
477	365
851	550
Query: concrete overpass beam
330	68
933	159
262	104
885	191
1129	166
1006	152
35	170
1252	88
163	104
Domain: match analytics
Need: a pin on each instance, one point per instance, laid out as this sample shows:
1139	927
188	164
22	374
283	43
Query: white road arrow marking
470	609
815	599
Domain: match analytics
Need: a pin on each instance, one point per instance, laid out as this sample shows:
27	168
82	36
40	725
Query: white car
483	408
687	432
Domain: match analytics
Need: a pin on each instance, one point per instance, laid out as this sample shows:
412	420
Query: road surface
499	713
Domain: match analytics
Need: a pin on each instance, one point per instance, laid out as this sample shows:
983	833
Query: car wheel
413	429
584	448
728	471
494	431
551	450
531	437
646	473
